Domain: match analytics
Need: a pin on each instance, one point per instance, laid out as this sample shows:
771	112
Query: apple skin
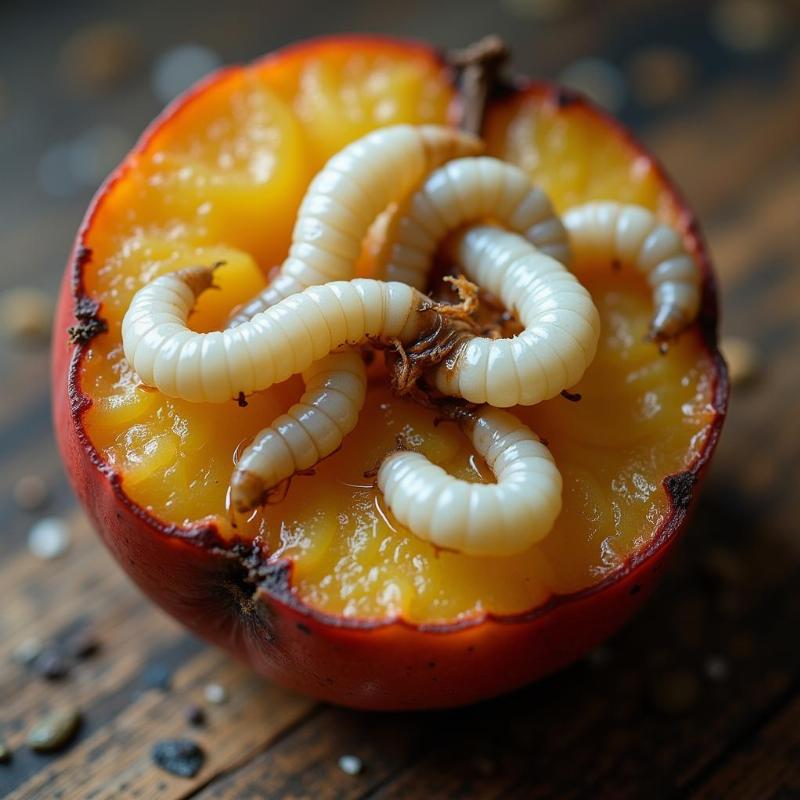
229	595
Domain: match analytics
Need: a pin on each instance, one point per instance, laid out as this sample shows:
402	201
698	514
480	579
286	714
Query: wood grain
722	627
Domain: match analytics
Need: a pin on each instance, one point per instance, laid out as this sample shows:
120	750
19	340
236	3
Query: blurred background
713	89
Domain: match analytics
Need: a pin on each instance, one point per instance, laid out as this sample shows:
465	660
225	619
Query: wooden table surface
699	696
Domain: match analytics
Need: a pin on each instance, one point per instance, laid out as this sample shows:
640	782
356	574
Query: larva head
325	591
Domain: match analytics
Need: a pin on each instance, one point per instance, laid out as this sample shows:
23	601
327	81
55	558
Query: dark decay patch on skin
241	400
90	324
680	488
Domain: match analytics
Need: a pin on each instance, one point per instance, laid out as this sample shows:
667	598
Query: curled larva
335	387
496	519
629	233
347	195
469	190
561	324
275	344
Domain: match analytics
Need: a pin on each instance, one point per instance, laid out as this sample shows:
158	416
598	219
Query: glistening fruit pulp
221	182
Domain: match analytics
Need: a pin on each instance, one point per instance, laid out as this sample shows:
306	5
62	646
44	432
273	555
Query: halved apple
324	591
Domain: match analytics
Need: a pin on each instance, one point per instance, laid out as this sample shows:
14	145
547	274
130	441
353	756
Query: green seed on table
54	731
5	753
26	314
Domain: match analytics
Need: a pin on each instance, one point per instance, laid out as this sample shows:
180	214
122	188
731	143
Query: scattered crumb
31	492
351	765
51	665
54	731
195	715
26	314
27	651
742	358
716	668
215	693
157	676
83	644
181	757
49	538
660	75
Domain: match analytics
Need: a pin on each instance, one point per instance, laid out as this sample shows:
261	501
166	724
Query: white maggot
562	325
497	519
275	344
335	387
631	234
470	190
346	196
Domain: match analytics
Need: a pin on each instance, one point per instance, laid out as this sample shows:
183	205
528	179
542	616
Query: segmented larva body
561	324
275	344
632	234
470	190
314	427
347	195
496	519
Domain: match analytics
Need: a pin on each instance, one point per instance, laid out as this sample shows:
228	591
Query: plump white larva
335	387
562	324
498	519
632	234
347	195
275	344
470	190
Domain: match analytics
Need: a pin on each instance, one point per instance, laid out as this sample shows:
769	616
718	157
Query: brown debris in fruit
452	326
89	323
480	64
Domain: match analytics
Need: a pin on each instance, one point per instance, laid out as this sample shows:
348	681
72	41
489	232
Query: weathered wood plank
306	763
767	765
115	761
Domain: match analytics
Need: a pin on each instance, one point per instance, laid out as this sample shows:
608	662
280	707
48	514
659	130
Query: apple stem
479	64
